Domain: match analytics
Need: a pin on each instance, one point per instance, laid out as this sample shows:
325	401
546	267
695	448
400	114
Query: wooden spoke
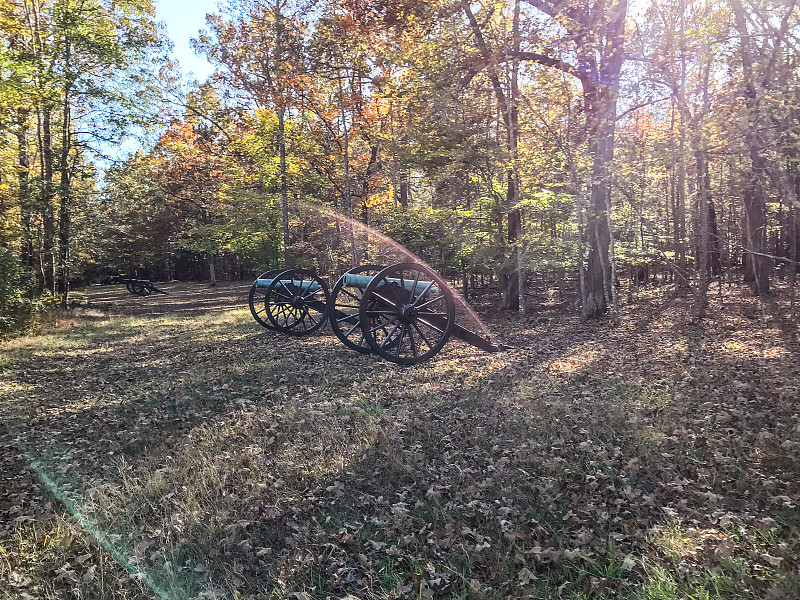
351	294
422	335
384	299
413	343
400	344
422	294
429	302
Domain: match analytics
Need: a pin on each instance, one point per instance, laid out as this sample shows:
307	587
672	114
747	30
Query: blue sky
183	18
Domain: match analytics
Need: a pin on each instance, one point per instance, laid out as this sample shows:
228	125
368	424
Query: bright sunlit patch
16	388
321	340
89	351
733	346
89	526
576	359
40	344
86	403
752	349
679	346
675	542
776	352
707	546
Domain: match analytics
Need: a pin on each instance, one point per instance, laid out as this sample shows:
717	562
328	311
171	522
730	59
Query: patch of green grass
788	516
659	585
7	361
388	577
437	513
52	559
552	524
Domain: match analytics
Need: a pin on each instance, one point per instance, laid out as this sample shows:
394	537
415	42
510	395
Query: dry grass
219	460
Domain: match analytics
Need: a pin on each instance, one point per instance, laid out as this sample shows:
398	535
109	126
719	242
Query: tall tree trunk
48	195
681	267
281	113
714	250
612	281
703	191
579	209
601	104
702	237
601	147
287	259
510	288
404	186
794	241
65	193
24	187
513	142
760	266
514	295
348	197
170	271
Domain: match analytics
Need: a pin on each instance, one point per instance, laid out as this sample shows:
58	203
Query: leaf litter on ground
655	459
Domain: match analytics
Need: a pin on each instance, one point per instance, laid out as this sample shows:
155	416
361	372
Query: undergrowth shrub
16	284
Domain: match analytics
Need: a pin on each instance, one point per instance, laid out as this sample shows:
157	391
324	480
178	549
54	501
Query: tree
762	68
597	33
508	102
260	50
76	68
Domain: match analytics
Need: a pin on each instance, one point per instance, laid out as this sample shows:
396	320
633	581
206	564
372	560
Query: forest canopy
591	143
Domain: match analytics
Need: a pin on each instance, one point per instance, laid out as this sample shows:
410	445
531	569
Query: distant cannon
405	313
141	287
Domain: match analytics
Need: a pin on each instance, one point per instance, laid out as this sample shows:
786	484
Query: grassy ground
170	447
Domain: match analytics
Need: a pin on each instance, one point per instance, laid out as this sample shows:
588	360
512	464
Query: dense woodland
600	144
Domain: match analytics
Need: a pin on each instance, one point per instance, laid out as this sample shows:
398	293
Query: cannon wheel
292	308
135	286
258	297
345	314
407	313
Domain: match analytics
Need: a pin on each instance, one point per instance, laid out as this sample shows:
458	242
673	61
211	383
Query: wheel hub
406	313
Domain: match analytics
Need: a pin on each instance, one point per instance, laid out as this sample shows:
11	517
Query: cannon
141	287
404	313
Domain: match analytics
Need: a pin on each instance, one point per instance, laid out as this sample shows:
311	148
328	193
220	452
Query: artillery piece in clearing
141	287
405	313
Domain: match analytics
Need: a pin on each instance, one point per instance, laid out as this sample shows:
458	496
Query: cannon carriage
141	287
405	313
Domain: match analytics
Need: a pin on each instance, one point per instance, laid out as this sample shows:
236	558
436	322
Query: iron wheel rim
348	328
258	296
